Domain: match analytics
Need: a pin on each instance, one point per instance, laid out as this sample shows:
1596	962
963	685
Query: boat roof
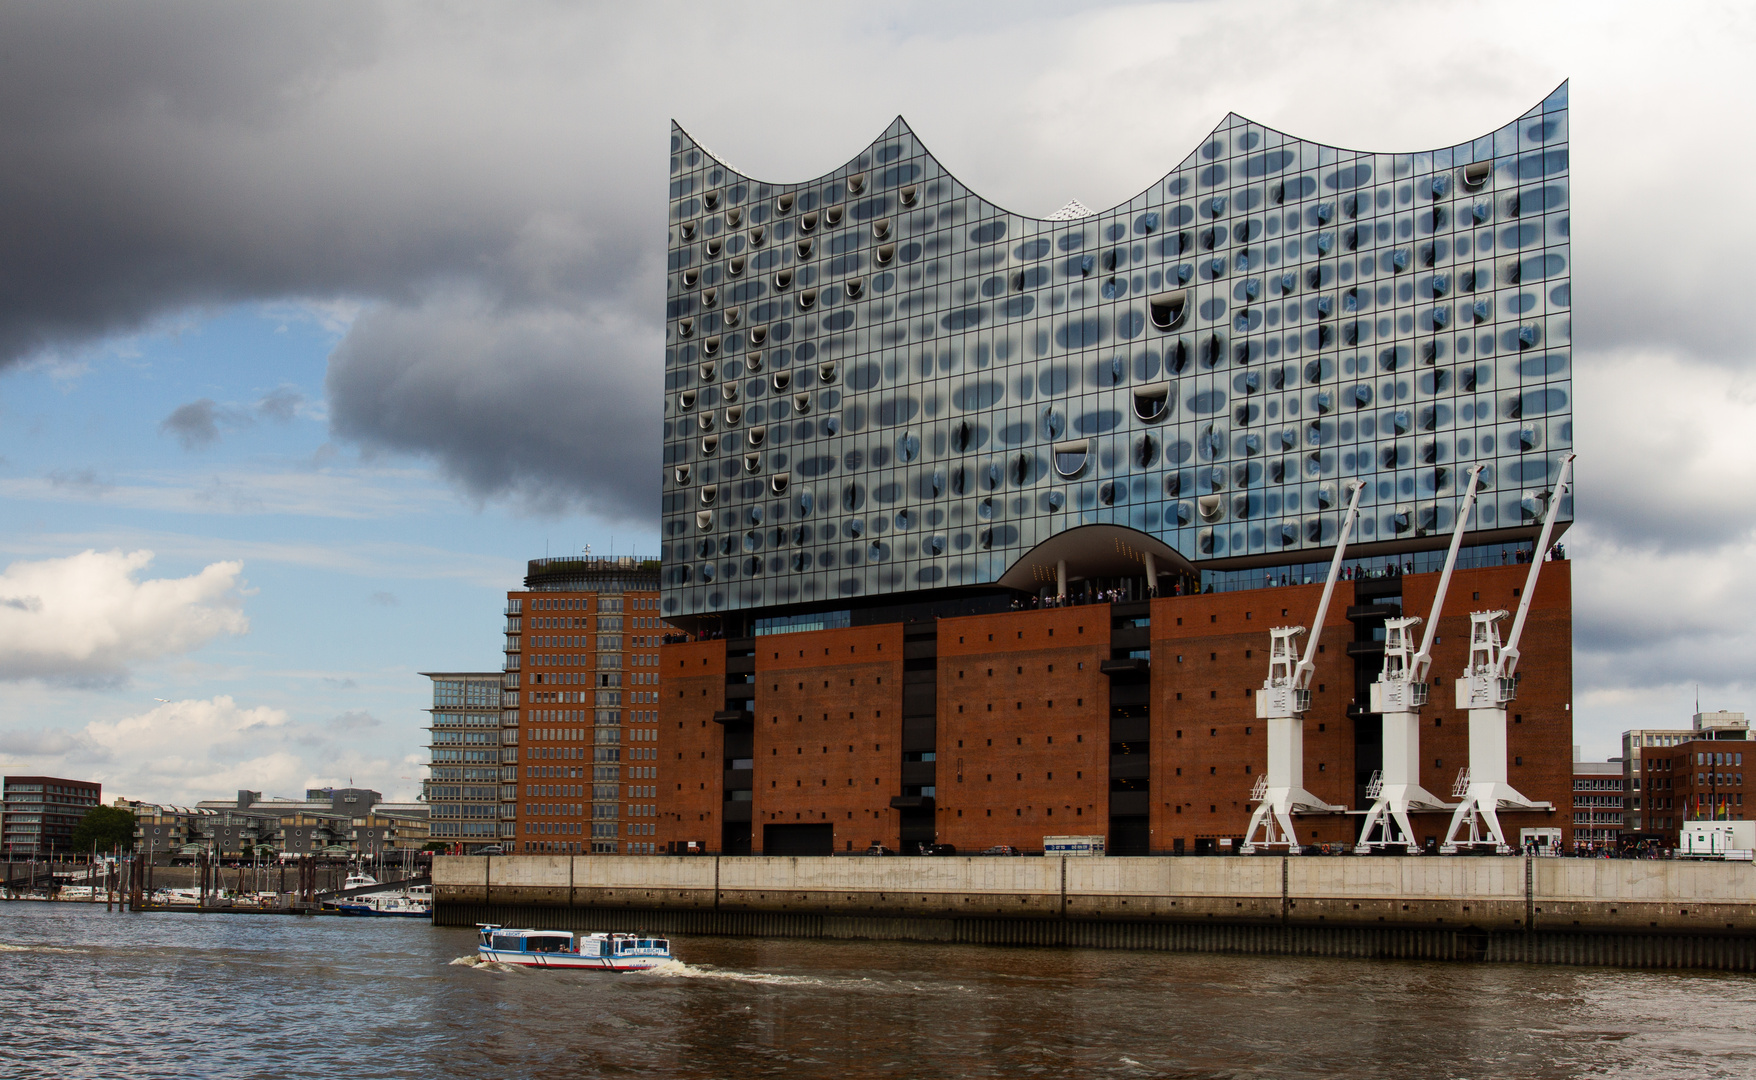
499	931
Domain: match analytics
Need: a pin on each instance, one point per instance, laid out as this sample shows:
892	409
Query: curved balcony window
708	445
753	464
881	229
1212	508
908	195
1168	309
781	380
735	216
1070	457
783	280
710	346
753	360
777	484
801	403
733	415
709	297
710	199
735	267
709	492
704	520
690	277
734	316
832	216
805	247
757	435
808	222
714	246
885	255
807	298
686	400
1152	402
686	328
826	371
708	371
681	474
1477	173
856	183
705	421
855	288
758	236
758	335
784	203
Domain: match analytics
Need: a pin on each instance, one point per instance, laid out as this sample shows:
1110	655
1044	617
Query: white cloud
189	750
87	617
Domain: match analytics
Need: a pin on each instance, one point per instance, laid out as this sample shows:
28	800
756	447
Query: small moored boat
560	949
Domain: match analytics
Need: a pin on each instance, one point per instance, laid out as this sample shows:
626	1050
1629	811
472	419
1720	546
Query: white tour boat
414	902
560	949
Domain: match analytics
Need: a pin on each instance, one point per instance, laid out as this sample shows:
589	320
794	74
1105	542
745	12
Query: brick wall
692	679
828	733
1024	740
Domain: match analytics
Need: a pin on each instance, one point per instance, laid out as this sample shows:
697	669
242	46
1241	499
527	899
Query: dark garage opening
798	839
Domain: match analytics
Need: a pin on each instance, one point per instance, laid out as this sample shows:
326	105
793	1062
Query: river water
89	994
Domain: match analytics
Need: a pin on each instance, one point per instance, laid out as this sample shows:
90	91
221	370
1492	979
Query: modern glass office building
879	383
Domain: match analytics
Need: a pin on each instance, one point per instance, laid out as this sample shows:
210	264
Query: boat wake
677	969
484	965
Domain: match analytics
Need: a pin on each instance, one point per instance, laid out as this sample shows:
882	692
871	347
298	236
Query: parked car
1002	849
491	849
938	849
879	849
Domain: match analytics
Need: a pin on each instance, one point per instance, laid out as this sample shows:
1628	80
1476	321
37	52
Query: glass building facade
877	383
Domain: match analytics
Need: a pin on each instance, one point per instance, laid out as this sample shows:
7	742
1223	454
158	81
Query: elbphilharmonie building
881	388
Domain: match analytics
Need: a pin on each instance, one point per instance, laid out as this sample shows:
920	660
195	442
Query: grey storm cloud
195	424
490	185
282	403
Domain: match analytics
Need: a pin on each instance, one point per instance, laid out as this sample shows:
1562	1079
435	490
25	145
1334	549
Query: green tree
104	827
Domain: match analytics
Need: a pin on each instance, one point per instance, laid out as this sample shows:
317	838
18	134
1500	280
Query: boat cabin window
507	943
547	944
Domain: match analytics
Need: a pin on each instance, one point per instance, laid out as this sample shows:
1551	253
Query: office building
473	769
38	813
1679	775
986	518
1599	796
581	678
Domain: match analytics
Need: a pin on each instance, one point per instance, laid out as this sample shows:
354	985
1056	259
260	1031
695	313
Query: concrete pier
1636	913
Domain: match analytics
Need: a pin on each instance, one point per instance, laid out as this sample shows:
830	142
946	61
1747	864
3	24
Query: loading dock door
798	839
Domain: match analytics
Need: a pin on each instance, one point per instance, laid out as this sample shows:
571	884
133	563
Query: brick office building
1685	774
581	682
981	521
39	813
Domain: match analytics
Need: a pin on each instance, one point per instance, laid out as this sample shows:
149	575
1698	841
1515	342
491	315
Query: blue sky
344	309
359	569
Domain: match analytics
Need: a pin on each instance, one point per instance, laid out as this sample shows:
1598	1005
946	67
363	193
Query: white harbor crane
1285	696
1397	696
1488	683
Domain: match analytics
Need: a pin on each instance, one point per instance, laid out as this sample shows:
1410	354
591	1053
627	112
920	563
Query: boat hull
571	961
361	911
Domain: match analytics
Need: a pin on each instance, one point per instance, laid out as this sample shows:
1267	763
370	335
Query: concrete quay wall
1482	894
